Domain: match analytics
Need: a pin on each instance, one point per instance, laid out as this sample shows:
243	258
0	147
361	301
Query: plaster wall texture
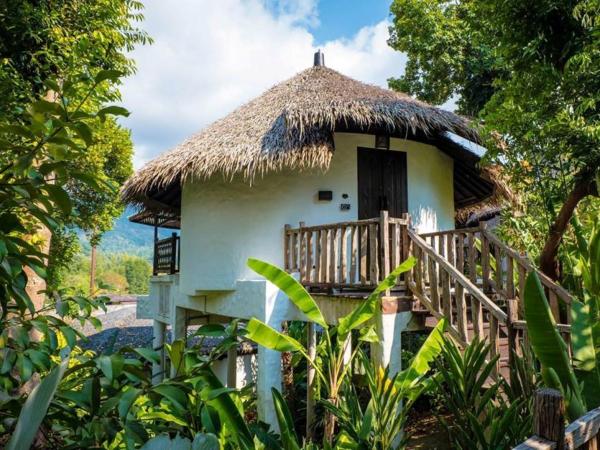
145	307
226	221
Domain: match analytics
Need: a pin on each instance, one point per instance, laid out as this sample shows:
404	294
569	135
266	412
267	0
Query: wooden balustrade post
485	258
494	341
512	313
404	240
549	416
286	246
384	242
302	252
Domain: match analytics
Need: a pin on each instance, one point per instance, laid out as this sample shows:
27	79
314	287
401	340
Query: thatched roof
290	126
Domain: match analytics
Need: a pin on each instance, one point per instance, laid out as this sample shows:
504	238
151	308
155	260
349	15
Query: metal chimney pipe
319	58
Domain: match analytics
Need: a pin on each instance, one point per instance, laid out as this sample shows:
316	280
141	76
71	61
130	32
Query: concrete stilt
310	380
348	349
387	352
158	341
232	367
268	376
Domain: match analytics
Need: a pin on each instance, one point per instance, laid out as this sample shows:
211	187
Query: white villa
328	177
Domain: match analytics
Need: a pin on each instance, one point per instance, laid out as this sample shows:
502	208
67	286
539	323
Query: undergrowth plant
486	414
379	425
333	338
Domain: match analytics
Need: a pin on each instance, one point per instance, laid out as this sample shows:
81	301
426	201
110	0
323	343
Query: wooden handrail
526	264
549	430
471	288
329	226
446	232
353	254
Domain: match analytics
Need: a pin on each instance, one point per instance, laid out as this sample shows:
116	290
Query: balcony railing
166	255
355	254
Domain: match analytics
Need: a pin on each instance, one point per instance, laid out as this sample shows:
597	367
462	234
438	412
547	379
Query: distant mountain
126	237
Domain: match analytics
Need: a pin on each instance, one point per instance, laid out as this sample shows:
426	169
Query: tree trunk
585	185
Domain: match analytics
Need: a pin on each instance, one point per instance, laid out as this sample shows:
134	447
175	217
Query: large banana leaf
421	363
585	337
266	336
34	409
222	402
289	439
292	288
549	347
366	310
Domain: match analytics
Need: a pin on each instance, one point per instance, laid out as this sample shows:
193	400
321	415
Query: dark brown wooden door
381	183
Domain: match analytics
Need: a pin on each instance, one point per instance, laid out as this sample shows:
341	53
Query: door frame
403	175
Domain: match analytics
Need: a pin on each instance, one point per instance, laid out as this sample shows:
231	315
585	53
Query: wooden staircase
469	276
475	281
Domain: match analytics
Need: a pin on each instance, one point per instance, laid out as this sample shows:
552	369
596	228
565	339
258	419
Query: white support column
277	308
268	376
158	343
310	380
178	329
348	349
387	352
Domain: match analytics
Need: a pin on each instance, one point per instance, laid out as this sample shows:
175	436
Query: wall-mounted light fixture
325	196
382	141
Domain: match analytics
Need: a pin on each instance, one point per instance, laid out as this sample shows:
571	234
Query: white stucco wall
224	222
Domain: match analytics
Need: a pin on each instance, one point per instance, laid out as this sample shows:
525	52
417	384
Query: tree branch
584	186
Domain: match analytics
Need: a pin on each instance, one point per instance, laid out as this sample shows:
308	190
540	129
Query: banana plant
579	382
333	372
550	348
379	425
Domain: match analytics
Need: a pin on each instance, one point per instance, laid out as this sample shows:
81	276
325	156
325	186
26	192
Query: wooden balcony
346	255
466	276
166	255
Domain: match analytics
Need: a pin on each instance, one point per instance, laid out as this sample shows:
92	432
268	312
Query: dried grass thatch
290	125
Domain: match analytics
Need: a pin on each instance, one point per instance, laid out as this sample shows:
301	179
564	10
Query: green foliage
31	195
483	417
580	383
115	273
57	39
35	409
61	40
137	273
330	367
449	52
380	424
529	72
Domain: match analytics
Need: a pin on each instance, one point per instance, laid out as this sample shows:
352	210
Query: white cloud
211	56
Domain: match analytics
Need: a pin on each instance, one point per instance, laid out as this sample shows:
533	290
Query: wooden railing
355	254
500	273
495	267
166	255
549	426
468	275
448	293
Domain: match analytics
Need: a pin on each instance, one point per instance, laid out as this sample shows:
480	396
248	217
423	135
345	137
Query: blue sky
343	18
211	56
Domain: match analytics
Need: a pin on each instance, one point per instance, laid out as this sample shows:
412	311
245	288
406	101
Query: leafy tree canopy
530	71
54	39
